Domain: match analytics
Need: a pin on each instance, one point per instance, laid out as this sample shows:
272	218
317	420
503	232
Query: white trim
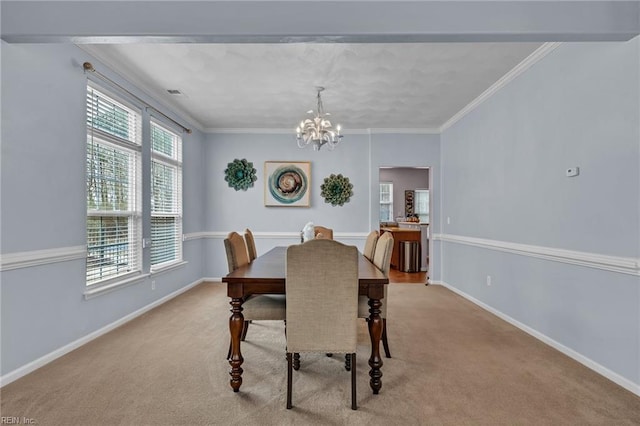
168	267
278	131
98	290
529	61
623	265
523	66
141	84
409	131
193	236
51	356
251	131
275	235
27	259
589	363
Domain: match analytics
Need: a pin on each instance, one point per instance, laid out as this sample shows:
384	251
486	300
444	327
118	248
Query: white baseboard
40	362
614	377
51	356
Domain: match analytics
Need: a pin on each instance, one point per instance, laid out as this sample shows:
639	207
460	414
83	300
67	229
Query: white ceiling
271	86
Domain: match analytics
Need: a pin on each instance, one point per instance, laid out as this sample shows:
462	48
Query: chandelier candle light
318	131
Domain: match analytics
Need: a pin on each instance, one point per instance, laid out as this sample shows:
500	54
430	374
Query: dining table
267	275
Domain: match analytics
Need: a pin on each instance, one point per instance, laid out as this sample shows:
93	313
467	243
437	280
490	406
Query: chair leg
354	404
245	327
385	342
289	381
296	361
347	362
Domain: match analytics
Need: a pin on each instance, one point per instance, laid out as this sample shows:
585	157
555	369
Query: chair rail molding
26	259
220	235
623	265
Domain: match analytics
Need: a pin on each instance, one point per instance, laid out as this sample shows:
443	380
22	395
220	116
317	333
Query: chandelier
318	131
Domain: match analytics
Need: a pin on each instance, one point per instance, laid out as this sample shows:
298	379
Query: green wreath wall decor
240	174
336	190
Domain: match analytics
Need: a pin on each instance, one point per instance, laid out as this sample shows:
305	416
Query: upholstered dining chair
251	244
258	306
322	303
370	245
322	232
382	259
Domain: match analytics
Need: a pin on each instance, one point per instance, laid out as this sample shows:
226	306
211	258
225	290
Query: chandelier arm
318	131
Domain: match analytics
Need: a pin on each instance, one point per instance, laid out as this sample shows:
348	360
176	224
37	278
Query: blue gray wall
358	157
562	252
44	206
43	203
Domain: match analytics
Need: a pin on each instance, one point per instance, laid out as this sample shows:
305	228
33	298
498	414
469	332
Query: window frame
388	203
174	162
422	214
98	139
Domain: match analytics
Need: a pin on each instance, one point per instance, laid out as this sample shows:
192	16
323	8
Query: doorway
405	209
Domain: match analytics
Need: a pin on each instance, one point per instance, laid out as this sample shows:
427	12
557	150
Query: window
386	201
422	204
113	180
166	196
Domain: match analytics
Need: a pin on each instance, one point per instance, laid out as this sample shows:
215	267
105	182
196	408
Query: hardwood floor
397	277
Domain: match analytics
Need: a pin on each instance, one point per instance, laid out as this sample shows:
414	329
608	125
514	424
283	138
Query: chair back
322	297
251	245
382	254
321	232
382	260
236	250
370	245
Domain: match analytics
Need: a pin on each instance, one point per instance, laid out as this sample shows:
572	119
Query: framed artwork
408	203
287	183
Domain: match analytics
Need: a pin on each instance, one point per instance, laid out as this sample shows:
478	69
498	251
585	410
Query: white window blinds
166	196
386	201
114	231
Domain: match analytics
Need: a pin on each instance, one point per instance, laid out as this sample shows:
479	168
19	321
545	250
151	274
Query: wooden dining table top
270	268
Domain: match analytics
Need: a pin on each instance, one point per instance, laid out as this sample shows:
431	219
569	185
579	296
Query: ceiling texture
254	64
272	86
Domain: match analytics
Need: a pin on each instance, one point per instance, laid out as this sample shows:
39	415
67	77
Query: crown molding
279	131
622	265
523	66
411	131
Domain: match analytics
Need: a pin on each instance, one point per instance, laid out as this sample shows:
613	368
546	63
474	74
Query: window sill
108	288
168	267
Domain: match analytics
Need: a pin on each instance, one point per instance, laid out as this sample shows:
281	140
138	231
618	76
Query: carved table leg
375	333
236	324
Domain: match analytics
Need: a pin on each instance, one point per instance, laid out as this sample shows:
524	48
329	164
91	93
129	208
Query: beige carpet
453	364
